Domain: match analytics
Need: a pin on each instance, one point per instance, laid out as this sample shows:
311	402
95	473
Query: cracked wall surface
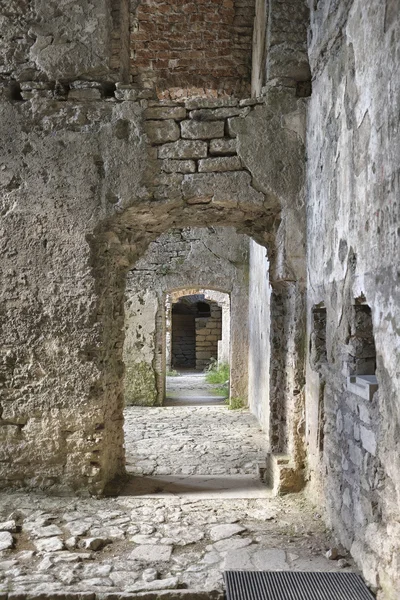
353	256
94	169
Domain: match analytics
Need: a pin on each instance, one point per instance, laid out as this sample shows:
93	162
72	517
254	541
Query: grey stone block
220	164
202	130
160	132
165	112
178	166
84	94
215	114
223	146
152	553
183	149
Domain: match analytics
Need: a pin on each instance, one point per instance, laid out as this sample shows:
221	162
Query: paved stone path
134	544
131	545
192	440
190	388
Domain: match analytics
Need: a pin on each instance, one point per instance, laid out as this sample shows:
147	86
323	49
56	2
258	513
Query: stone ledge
165	112
364	386
216	114
220	164
202	130
223	146
184	149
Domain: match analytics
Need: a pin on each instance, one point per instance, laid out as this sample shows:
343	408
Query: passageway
195	445
190	388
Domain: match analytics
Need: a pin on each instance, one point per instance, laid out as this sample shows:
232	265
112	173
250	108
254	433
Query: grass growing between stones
220	391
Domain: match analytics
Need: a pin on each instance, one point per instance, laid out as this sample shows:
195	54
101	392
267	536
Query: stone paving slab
202	440
139	533
175	541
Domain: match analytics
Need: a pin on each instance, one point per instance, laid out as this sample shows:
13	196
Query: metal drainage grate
298	585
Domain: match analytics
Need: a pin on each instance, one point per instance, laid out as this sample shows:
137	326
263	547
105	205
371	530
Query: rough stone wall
259	336
286	43
216	258
83	195
208	332
353	257
185	49
51	40
183	341
64	258
280	46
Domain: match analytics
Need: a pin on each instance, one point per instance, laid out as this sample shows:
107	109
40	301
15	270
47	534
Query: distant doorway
196	329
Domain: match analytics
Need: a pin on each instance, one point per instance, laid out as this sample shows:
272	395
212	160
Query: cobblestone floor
131	545
192	440
112	547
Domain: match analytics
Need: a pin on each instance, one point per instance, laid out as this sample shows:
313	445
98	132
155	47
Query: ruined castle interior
186	181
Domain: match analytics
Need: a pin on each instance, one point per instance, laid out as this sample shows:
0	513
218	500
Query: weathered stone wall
185	49
353	257
259	335
84	192
51	40
183	341
280	46
216	258
208	333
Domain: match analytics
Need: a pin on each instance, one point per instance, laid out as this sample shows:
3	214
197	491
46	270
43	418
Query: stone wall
353	289
186	49
48	41
210	257
84	193
208	333
259	336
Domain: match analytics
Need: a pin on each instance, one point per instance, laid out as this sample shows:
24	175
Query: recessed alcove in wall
318	353
361	343
361	352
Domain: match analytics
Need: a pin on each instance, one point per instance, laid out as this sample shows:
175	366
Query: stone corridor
177	543
199	439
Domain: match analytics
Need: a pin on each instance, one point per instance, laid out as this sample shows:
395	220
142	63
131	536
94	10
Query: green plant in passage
172	373
217	373
221	391
236	403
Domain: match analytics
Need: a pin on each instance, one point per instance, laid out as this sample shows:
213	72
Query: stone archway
118	247
64	363
223	299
